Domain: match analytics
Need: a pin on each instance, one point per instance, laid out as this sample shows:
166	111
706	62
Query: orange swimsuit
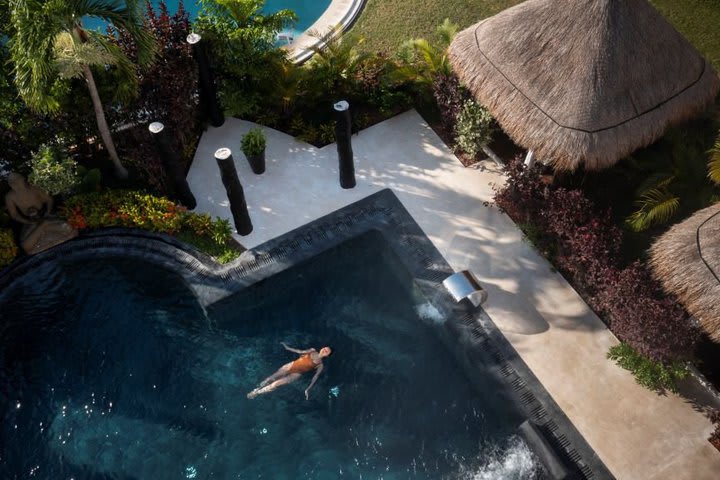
303	364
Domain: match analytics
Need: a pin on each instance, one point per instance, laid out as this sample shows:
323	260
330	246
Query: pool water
307	11
112	369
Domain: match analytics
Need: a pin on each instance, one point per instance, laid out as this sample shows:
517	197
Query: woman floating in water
309	360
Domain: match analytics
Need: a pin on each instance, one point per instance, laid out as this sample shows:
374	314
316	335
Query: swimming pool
307	11
137	368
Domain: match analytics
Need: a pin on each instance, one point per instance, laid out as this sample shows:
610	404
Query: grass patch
221	252
385	24
698	21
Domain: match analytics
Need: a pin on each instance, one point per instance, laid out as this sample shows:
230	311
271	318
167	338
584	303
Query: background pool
113	370
308	11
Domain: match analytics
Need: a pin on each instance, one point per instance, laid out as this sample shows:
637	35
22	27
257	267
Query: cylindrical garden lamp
343	135
208	95
235	193
171	162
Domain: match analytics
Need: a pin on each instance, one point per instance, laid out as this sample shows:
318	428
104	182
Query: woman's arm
295	350
314	379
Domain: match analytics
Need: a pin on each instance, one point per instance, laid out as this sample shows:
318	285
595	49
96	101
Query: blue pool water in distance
307	11
110	369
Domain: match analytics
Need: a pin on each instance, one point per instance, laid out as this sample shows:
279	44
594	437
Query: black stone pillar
180	190
208	95
343	135
235	193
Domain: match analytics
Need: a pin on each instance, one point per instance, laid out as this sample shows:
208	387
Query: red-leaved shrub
586	247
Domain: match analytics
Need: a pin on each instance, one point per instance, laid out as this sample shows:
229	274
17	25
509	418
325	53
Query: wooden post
235	193
171	162
344	145
208	95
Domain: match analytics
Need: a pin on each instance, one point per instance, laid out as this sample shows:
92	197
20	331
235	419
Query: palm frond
714	163
446	32
125	70
657	206
71	55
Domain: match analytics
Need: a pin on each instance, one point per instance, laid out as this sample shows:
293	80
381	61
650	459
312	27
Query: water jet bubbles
334	391
263	431
190	472
18	405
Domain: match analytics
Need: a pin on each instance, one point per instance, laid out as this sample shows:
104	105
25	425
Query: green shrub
53	172
473	128
8	247
253	143
654	375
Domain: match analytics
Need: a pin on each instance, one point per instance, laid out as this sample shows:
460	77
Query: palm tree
49	42
422	61
336	58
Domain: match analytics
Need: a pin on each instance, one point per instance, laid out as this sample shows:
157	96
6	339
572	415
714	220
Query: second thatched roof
686	260
583	82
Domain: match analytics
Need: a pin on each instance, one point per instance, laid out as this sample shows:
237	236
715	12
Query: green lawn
698	21
385	24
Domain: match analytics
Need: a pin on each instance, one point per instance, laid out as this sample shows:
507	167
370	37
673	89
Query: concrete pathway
638	434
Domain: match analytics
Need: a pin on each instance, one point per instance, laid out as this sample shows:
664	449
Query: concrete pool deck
636	433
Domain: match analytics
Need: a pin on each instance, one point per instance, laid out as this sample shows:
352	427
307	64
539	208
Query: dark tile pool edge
382	212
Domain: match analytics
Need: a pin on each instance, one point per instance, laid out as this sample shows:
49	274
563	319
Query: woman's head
326	352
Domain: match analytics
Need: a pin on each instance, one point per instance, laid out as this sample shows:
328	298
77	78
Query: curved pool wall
314	17
479	341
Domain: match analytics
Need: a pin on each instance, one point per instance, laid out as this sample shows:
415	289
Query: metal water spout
464	284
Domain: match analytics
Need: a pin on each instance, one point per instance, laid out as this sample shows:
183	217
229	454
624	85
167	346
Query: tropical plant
287	85
167	92
50	43
336	61
450	97
243	50
253	142
651	374
474	128
677	179
421	61
53	171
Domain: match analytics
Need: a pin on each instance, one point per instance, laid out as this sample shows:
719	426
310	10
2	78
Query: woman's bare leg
288	378
281	372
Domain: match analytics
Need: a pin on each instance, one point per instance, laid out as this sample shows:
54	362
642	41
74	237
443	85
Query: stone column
208	95
171	162
235	193
344	145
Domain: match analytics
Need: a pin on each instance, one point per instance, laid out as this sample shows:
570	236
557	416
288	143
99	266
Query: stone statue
31	206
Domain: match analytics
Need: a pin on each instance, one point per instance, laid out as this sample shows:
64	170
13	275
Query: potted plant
253	146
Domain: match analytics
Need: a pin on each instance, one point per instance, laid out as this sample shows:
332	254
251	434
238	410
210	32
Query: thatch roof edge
676	262
566	148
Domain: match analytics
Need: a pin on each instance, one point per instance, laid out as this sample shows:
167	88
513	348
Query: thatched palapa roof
583	81
686	260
